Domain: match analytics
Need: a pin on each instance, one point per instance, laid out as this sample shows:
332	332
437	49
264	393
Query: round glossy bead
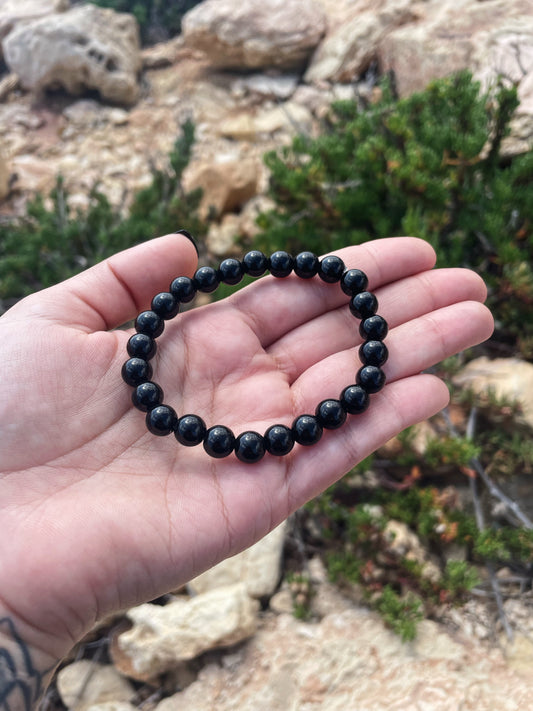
353	281
354	399
136	371
219	441
206	279
280	264
249	447
331	269
371	378
183	289
165	305
190	430
363	305
330	414
161	420
142	346
279	440
306	265
373	328
306	430
230	271
150	323
373	353
255	263
146	396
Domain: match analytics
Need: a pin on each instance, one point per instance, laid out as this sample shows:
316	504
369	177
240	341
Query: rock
404	543
8	84
161	55
255	33
35	174
84	683
454	36
350	47
519	654
258	567
163	637
87	47
349	660
265	86
290	116
228	182
221	238
506	378
14	11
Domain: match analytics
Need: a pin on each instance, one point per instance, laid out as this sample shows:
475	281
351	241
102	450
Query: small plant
302	592
400	613
51	244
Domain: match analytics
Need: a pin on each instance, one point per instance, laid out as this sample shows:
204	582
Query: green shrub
52	243
429	165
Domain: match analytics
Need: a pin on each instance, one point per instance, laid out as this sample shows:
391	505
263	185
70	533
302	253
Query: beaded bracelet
219	441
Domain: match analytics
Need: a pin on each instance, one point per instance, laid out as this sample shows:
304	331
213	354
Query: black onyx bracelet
219	441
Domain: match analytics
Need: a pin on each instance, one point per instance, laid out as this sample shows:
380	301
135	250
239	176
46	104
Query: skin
101	515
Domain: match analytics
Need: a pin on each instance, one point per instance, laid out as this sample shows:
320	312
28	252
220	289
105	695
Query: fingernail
189	237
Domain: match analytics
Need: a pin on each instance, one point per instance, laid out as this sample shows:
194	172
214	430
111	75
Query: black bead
150	323
142	346
373	353
161	420
255	263
219	441
306	430
136	371
230	271
353	281
306	265
363	305
331	269
165	305
206	279
354	399
371	378
146	396
190	430
279	440
373	328
249	447
280	264
183	289
330	414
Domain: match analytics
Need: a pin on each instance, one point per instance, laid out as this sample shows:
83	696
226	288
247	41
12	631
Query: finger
413	347
117	289
400	405
398	302
273	307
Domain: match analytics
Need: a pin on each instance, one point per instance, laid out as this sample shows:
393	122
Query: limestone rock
404	543
228	181
349	660
291	117
265	86
163	637
351	46
87	47
14	11
258	567
255	33
508	378
221	238
84	683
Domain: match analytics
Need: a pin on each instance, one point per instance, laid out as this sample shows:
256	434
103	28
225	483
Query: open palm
103	515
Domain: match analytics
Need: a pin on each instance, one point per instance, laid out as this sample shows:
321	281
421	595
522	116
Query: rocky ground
88	103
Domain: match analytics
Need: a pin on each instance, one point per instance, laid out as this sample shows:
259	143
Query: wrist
25	669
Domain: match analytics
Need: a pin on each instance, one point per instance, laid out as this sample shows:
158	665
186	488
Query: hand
98	514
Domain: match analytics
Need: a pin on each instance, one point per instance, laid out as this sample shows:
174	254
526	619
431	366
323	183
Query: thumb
117	289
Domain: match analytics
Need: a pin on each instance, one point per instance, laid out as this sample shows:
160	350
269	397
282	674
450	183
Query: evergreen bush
429	165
